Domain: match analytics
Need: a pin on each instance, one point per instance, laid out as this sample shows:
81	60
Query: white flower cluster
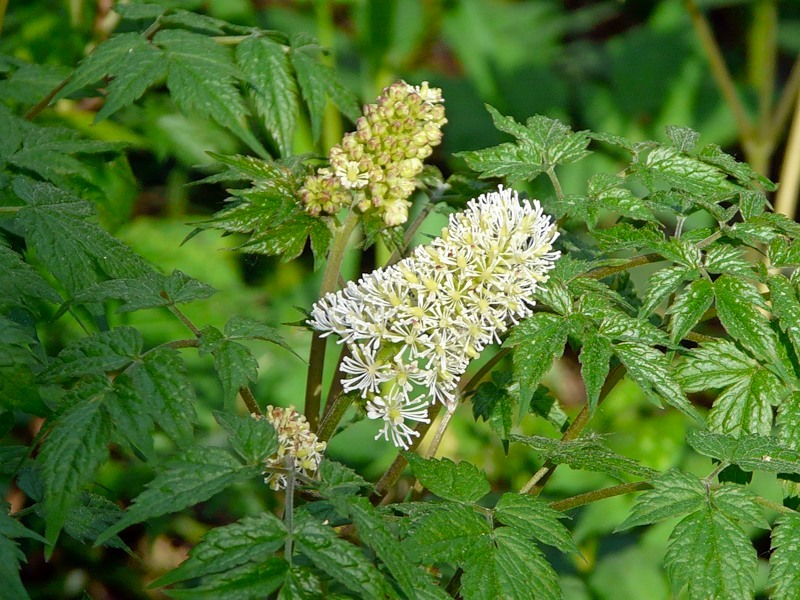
412	328
295	439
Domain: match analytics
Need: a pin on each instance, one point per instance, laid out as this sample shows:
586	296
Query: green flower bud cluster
375	167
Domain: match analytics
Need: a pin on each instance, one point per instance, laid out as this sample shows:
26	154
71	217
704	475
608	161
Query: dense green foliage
128	386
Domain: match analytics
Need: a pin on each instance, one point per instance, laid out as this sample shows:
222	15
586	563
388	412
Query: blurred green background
624	67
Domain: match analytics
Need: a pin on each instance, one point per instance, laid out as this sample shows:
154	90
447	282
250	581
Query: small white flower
351	176
394	409
367	372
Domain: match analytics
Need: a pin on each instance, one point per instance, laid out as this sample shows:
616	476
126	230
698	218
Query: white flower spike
415	326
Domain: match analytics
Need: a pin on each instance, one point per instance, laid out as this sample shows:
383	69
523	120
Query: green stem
3	8
326	32
184	319
10	209
288	514
37	108
551	173
409	235
769	504
536	483
602	272
334	411
786	102
392	474
609	492
762	59
439	435
316	358
719	69
786	197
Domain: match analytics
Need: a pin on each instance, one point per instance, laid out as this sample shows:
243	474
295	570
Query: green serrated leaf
534	518
187	479
683	139
625	236
151	290
585	454
162	388
788	421
674	494
724	258
716	364
201	80
537	341
739	503
680	251
750	452
341	560
746	406
784	574
74	449
412	580
96	354
494	403
660	285
713	556
317	83
448	532
683	172
786	308
243	328
689	307
300	584
236	367
738	302
339	480
595	359
10	558
266	68
713	155
20	282
544	404
78	253
542	144
509	565
460	482
249	540
252	439
619	326
783	253
649	368
252	581
89	516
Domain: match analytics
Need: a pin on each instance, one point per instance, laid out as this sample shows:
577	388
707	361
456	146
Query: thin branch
37	108
184	319
783	109
410	232
602	272
3	8
786	197
609	492
719	69
551	173
316	357
536	483
439	435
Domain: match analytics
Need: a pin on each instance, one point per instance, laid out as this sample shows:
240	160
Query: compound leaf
251	539
784	575
187	479
460	482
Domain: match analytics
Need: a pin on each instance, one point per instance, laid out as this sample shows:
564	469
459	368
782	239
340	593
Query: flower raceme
296	440
375	166
412	328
